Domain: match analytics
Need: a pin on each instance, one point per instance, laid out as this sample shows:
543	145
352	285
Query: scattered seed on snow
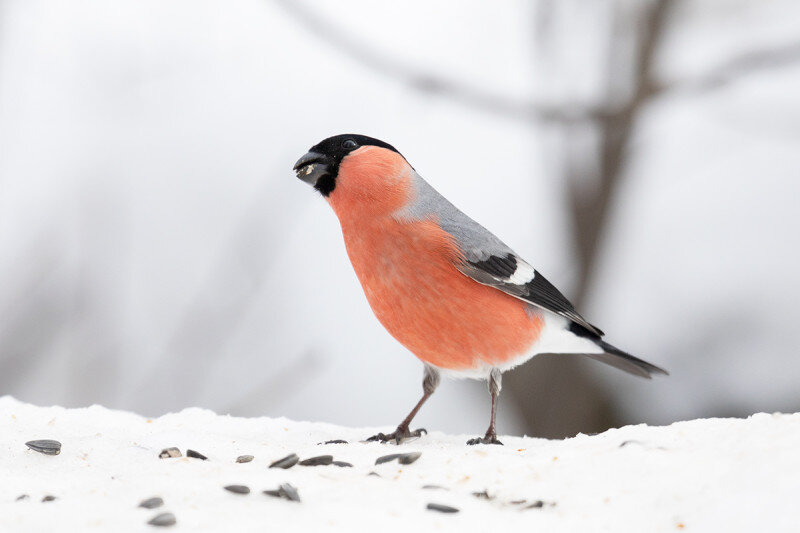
317	461
286	462
285	491
374	474
386	458
167	453
343	464
482	494
238	489
441	508
163	520
538	504
244	458
434	487
408	458
151	503
196	455
334	441
48	498
517	502
289	492
22	497
45	446
402	458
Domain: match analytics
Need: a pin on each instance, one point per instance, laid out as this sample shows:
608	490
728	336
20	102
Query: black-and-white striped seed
45	446
168	453
344	464
48	498
244	458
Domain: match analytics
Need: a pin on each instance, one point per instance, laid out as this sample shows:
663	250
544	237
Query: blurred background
157	251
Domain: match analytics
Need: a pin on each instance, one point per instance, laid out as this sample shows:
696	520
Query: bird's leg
495	384
429	383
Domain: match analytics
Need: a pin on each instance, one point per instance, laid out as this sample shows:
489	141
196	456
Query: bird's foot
490	438
399	435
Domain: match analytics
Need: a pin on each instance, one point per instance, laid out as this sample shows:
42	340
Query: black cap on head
320	165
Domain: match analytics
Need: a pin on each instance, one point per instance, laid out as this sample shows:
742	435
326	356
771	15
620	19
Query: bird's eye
349	144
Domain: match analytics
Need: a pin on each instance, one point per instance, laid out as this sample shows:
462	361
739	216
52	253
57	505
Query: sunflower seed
408	458
317	461
238	489
434	487
374	474
538	504
167	453
151	503
48	498
22	497
334	441
244	458
343	464
45	446
163	519
196	455
441	508
482	495
285	491
402	458
286	462
289	492
386	458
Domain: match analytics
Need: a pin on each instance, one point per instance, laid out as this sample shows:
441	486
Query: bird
450	291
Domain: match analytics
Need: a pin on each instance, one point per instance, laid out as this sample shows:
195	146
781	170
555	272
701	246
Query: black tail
617	358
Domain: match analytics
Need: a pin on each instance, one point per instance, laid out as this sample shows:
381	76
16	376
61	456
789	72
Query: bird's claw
488	439
398	436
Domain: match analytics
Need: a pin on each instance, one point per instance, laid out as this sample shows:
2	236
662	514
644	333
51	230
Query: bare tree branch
590	211
427	82
588	406
482	99
749	63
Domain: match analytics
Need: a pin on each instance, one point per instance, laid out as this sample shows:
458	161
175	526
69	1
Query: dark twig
482	99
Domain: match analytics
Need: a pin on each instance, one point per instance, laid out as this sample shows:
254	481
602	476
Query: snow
702	475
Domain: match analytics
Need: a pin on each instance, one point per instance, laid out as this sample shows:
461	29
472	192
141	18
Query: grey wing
488	260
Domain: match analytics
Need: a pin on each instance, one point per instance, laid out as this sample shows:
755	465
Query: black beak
311	167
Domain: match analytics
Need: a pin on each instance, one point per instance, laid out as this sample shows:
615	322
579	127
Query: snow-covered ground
152	232
703	475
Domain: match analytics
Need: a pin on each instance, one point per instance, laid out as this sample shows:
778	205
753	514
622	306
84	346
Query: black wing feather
497	272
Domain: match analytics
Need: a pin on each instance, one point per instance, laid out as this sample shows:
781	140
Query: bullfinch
440	283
